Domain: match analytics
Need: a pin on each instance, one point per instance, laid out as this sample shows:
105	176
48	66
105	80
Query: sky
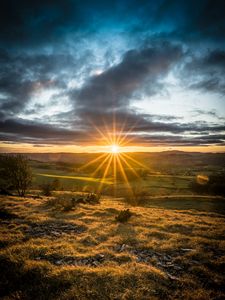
75	73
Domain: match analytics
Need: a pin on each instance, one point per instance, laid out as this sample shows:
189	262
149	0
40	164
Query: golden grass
158	254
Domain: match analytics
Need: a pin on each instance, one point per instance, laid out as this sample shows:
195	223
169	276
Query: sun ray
114	128
115	160
105	174
102	163
135	161
93	161
129	166
110	139
123	173
105	138
127	132
114	169
128	140
120	132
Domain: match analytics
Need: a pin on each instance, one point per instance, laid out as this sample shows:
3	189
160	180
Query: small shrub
56	185
49	187
46	189
123	216
137	197
68	206
93	198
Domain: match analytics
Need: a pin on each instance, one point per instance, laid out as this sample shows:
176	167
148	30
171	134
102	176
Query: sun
115	149
114	163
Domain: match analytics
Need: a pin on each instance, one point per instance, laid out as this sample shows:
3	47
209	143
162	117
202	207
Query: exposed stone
186	249
92	261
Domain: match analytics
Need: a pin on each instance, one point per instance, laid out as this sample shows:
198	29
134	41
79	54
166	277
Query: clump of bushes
68	203
49	187
123	216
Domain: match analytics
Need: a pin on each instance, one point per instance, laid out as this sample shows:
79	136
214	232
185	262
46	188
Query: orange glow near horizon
45	148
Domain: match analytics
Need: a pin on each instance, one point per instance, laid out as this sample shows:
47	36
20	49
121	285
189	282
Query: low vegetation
123	216
162	252
68	202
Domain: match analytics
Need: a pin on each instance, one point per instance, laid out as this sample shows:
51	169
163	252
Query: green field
170	173
154	184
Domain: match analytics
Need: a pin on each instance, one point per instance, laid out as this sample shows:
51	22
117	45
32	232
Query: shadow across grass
216	205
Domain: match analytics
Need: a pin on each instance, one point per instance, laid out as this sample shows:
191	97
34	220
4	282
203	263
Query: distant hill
61	157
164	159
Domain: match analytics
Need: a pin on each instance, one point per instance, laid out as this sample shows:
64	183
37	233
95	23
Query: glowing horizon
28	148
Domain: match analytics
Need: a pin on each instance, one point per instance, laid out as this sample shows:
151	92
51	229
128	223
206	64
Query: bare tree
15	173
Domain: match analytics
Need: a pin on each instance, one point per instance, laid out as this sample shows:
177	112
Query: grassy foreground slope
160	253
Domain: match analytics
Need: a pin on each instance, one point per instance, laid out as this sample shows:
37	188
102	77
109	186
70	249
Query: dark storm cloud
214	85
24	74
192	20
207	72
31	23
27	131
178	140
115	87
